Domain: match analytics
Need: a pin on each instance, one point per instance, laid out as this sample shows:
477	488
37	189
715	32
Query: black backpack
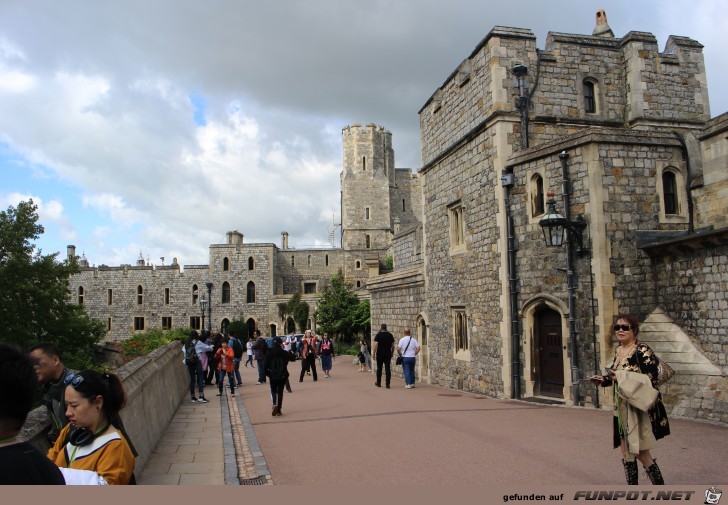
237	348
191	357
277	370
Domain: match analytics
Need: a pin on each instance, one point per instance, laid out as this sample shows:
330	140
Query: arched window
422	331
669	192
250	293
358	284
140	295
251	263
368	242
195	294
461	330
590	102
225	292
309	260
358	264
537	201
80	295
225	264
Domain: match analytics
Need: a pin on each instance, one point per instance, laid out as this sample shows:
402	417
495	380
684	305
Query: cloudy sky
158	126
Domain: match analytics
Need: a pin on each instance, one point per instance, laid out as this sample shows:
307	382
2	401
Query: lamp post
555	226
204	304
209	307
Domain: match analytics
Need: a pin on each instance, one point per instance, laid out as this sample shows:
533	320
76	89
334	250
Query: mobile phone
608	371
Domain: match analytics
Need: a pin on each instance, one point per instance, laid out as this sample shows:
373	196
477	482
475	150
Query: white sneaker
259	382
408	386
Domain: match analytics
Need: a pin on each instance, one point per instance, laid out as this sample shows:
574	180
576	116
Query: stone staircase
697	390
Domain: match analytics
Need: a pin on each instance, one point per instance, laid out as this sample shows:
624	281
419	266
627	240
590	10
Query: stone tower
368	174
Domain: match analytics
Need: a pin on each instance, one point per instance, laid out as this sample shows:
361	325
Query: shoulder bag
400	358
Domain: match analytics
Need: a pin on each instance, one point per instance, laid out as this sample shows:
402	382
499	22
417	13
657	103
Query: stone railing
155	386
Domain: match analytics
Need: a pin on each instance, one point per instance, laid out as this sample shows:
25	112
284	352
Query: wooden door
550	353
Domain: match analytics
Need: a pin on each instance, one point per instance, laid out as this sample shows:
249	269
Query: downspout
686	155
507	181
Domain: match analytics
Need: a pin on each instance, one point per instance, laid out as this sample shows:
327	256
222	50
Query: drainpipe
570	278
507	181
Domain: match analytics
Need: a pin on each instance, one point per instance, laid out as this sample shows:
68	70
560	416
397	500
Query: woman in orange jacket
225	366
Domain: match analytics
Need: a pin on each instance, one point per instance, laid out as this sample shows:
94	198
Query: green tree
239	327
299	310
34	305
339	311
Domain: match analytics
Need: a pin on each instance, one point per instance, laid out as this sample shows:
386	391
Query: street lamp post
555	226
209	307
204	304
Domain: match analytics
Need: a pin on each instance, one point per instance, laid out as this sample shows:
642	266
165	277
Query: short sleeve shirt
384	341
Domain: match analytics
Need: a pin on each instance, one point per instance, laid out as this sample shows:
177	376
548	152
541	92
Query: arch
251	263
225	292
368	240
224	324
422	330
195	294
225	264
670	201
250	325
357	264
250	293
537	196
309	260
589	87
273	327
140	295
80	295
290	325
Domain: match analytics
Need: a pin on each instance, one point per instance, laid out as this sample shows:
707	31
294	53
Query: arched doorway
423	363
273	329
549	359
224	326
251	327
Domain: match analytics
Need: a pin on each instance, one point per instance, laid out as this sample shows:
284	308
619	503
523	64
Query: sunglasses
623	327
73	379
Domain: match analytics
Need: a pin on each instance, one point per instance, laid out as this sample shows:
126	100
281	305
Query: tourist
259	348
212	366
327	355
90	449
308	356
20	462
249	349
382	353
408	348
365	356
639	418
238	350
192	350
225	366
276	368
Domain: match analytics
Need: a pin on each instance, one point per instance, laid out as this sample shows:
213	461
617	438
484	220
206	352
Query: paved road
344	430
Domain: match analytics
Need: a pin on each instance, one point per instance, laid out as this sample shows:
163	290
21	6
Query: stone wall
407	248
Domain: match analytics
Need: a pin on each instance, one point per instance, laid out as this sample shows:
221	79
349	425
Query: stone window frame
597	80
309	282
456	227
139	323
81	294
166	322
368	241
367	213
533	195
140	295
196	322
309	260
110	297
293	261
250	292
251	263
327	260
195	294
358	284
357	264
681	216
225	264
167	296
108	324
225	293
460	332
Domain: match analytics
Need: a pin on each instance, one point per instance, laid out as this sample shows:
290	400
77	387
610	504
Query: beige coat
636	396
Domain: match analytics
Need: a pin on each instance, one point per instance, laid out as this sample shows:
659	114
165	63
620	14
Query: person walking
308	353
249	350
260	347
408	348
382	353
365	356
640	418
225	366
237	346
327	355
276	369
192	350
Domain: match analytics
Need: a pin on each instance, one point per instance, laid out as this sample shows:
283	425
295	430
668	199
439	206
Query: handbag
664	373
400	358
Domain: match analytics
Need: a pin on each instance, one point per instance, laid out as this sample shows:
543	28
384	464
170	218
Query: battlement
356	130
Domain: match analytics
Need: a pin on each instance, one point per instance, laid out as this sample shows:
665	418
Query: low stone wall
155	386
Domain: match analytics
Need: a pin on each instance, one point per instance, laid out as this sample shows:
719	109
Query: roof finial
602	28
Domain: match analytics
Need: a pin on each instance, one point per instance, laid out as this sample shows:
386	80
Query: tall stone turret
366	178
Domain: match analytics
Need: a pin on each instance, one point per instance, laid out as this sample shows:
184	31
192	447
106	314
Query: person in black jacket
275	365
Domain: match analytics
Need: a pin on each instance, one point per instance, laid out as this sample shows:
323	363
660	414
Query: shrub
141	344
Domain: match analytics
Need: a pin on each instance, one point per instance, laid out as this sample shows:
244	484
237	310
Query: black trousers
276	393
387	362
306	364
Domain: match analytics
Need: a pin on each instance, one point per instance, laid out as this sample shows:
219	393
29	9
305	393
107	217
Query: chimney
284	240
602	28
71	252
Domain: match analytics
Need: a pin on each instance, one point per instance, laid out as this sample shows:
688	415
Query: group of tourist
89	444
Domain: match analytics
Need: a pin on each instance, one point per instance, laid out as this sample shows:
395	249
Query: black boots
630	470
653	472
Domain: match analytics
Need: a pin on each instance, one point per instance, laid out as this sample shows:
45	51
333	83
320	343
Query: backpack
277	370
237	348
191	357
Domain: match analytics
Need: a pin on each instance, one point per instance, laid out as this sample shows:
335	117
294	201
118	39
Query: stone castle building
621	134
249	281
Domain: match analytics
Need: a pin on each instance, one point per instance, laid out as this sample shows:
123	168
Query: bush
141	344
